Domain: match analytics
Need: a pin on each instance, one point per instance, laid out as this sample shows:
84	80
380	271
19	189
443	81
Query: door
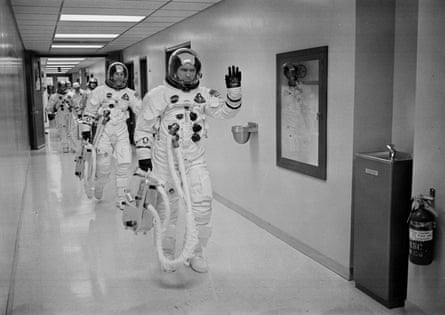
143	74
35	101
131	121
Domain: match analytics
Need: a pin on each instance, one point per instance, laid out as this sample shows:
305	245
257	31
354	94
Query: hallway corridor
74	257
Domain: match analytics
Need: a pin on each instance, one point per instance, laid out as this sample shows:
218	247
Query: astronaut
91	85
69	86
77	96
59	104
111	100
182	102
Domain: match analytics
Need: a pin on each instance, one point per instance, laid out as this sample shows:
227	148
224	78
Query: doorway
143	75
131	121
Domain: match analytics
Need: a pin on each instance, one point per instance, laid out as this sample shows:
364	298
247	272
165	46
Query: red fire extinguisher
422	224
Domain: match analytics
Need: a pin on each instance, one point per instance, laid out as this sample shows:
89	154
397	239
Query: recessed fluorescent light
65	59
62	62
101	18
86	35
77	46
61	66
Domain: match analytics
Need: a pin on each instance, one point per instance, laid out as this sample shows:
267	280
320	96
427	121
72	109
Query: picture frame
301	110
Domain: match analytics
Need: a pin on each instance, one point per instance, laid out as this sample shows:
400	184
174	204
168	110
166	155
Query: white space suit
188	105
60	104
114	98
78	102
92	84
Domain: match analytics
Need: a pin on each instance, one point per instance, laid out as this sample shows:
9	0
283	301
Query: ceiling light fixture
55	68
86	35
62	62
60	66
65	59
101	18
77	46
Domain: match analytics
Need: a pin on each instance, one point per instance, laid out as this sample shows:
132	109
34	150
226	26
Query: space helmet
61	87
179	58
112	69
92	83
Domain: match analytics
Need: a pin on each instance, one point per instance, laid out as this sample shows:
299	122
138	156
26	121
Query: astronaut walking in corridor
109	103
60	106
78	102
181	106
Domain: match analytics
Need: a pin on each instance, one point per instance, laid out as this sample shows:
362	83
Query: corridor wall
14	142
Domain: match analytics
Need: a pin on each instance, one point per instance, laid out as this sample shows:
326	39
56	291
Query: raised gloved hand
145	165
233	77
86	135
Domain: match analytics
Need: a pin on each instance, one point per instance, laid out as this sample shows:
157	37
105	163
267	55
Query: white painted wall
98	70
405	60
374	68
250	33
426	284
14	142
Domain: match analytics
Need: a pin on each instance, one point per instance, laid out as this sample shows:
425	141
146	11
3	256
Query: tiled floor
74	257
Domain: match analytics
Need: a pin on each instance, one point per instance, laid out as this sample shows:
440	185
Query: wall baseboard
327	262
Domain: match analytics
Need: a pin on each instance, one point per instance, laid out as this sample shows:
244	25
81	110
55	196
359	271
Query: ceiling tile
201	1
40	28
36	17
35	10
173	13
188	6
46	3
37	21
171	19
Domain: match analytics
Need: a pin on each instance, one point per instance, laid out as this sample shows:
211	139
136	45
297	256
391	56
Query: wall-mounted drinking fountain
241	134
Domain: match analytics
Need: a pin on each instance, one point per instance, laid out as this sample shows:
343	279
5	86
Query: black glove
145	165
86	135
233	77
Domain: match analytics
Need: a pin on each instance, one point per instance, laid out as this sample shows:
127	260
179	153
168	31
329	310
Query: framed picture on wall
301	110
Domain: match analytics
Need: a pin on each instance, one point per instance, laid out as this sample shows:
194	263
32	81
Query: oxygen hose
90	177
191	232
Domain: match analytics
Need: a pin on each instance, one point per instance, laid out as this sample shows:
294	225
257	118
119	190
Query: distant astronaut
91	85
59	105
78	97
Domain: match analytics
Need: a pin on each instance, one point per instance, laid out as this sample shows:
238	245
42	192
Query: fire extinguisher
422	224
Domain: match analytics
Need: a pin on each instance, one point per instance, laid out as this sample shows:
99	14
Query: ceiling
38	22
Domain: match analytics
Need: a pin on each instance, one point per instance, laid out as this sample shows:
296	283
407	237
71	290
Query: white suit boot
198	263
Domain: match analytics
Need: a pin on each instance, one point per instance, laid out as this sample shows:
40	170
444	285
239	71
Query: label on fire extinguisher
420	236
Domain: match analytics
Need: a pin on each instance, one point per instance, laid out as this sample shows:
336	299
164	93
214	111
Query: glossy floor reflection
74	257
